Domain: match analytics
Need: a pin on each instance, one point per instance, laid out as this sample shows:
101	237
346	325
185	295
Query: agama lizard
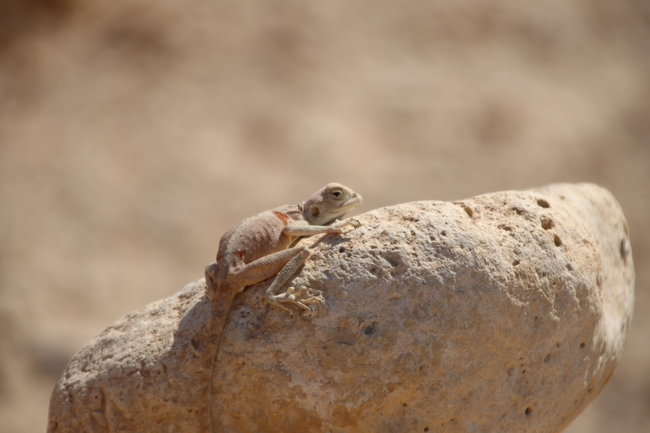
261	246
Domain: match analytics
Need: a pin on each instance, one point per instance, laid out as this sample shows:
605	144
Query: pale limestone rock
505	312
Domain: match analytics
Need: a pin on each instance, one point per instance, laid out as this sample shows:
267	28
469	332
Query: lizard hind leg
302	296
210	276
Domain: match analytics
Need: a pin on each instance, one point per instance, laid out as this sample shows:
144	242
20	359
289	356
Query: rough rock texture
505	312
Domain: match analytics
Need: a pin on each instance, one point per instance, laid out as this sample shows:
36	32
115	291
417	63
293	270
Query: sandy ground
133	133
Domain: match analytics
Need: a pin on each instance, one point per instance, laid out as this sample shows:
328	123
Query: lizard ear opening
315	211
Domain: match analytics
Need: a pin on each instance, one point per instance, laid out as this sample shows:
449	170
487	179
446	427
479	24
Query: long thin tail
221	301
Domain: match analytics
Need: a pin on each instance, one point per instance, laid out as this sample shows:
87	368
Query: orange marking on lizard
240	254
282	217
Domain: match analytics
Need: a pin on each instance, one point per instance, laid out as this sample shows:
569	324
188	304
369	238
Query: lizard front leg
304	229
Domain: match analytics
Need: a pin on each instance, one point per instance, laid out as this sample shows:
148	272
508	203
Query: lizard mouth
350	203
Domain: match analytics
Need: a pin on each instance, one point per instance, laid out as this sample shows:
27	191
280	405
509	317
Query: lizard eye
337	193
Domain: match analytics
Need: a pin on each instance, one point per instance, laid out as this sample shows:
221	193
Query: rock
505	312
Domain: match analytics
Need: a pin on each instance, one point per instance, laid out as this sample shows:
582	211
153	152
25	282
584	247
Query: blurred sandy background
133	133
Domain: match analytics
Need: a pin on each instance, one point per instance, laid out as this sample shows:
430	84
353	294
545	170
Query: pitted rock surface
504	312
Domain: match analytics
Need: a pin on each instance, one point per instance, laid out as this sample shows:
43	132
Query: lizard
262	246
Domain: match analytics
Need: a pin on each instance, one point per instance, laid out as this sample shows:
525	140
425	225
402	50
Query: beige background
133	133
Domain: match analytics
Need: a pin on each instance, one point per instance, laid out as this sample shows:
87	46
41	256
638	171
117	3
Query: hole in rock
582	344
543	203
547	223
624	249
557	240
468	211
528	411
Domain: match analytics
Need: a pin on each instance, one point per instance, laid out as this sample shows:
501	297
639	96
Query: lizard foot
354	222
302	296
338	225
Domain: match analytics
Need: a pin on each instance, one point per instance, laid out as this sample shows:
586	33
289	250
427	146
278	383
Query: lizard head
330	203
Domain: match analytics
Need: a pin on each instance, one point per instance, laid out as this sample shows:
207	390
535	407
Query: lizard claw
312	296
302	296
354	222
338	225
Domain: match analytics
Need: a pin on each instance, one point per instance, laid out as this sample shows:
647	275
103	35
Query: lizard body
260	247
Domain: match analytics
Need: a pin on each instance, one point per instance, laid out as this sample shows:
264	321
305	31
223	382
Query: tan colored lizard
260	247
